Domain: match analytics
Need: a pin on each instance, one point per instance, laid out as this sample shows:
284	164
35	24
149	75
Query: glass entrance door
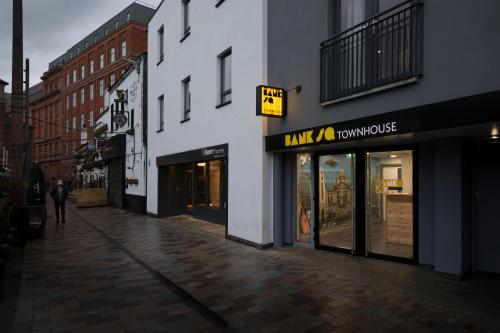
389	207
336	201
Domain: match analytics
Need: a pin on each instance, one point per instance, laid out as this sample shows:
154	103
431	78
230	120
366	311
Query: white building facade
206	152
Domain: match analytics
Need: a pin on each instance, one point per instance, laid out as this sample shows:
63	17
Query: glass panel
352	12
304	176
215	172
201	184
390	203
336	200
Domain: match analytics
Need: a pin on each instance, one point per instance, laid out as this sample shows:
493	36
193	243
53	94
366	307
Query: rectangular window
67	125
82	96
74	100
74	75
215	168
112	79
225	77
124	49
82	74
92	66
91	119
74	123
101	61
101	110
91	91
186	92
67	80
201	184
161	112
161	44
67	102
390	198
101	87
82	120
112	55
185	18
303	199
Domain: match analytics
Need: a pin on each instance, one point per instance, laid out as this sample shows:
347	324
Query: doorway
365	203
336	193
487	208
188	189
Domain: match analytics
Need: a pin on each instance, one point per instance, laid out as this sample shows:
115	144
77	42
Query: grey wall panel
460	52
426	203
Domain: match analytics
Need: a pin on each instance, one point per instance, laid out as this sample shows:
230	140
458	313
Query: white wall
135	150
238	24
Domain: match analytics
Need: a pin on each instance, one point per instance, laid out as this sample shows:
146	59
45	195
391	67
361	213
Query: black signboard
203	154
461	112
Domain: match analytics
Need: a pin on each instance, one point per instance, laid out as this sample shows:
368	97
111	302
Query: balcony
380	53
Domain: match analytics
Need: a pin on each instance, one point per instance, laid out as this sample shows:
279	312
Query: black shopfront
388	186
194	183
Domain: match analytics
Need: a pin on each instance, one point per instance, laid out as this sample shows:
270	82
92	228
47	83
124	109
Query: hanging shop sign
271	102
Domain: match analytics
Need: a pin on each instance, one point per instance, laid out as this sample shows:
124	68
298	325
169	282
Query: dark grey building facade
390	145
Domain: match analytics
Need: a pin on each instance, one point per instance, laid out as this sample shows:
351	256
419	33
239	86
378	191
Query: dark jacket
59	199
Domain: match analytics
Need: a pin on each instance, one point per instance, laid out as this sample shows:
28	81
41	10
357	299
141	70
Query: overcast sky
51	27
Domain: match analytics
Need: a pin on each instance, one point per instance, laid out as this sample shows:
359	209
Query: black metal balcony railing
381	51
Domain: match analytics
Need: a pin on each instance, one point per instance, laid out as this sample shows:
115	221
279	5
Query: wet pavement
294	290
107	270
76	280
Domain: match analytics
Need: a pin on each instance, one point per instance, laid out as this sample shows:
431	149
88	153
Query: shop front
405	186
194	183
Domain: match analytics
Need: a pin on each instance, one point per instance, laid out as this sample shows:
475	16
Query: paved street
75	280
109	270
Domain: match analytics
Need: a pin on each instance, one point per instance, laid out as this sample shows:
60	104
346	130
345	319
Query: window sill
185	120
223	104
160	61
186	35
159	131
219	3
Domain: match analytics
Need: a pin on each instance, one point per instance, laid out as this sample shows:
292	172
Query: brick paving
76	280
298	290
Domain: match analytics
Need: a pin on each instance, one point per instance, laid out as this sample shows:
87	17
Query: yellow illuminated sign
271	102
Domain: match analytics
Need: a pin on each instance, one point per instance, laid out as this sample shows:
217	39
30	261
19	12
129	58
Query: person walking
59	194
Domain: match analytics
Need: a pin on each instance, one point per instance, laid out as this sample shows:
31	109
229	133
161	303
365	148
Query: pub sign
271	102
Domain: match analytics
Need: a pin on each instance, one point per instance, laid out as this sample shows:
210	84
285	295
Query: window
67	102
67	80
82	96
74	100
303	199
106	31
101	87
91	92
112	55
185	18
67	125
82	72
91	119
74	122
186	98
101	61
161	115
82	120
112	79
101	110
95	39
214	183
78	50
124	49
116	24
128	17
161	44
74	75
86	45
92	66
225	78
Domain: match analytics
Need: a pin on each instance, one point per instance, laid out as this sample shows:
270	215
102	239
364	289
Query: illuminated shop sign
331	134
271	102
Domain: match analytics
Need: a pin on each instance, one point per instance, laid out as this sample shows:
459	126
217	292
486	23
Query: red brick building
75	86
